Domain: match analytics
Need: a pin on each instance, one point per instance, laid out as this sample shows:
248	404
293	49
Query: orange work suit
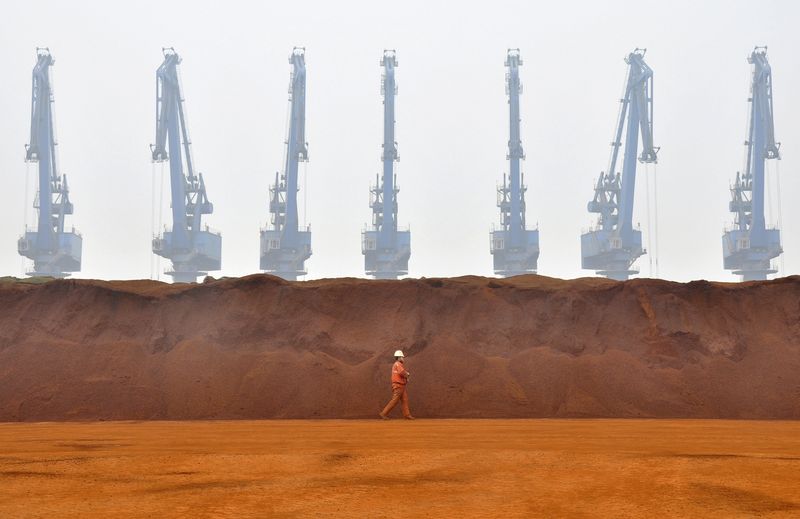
399	393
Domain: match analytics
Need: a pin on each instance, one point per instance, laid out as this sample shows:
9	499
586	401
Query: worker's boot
409	417
383	416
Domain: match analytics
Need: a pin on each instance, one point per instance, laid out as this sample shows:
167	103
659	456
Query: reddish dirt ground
428	468
525	347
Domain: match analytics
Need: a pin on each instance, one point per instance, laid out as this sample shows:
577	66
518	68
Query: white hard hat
399	353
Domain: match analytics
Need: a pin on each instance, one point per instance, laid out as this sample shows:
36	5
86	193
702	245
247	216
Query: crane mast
514	248
193	249
614	245
285	247
55	251
749	247
386	249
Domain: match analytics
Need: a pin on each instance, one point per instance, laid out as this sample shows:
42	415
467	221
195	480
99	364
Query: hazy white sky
452	121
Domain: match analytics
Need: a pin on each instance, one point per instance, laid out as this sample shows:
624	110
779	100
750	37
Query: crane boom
192	249
55	252
750	246
514	248
284	246
386	249
613	247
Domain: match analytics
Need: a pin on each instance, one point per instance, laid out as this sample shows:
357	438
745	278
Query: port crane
55	251
193	249
749	247
514	248
614	245
285	247
386	249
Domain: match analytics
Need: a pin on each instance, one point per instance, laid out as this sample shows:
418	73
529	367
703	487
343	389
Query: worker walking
399	393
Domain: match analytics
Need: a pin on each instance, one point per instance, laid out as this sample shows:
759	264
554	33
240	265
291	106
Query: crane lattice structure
192	248
386	249
55	251
284	246
514	248
750	246
614	245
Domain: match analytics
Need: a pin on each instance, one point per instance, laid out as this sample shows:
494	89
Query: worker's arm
401	370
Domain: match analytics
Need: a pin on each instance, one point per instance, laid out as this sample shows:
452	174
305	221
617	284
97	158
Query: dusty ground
259	347
426	468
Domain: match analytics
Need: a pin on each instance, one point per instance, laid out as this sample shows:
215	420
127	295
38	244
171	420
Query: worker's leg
397	394
404	400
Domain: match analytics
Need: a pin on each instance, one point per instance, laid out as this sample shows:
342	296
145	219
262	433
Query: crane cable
305	194
649	221
152	215
780	210
161	214
282	175
652	219
395	205
160	217
156	215
25	211
769	184
773	181
655	210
